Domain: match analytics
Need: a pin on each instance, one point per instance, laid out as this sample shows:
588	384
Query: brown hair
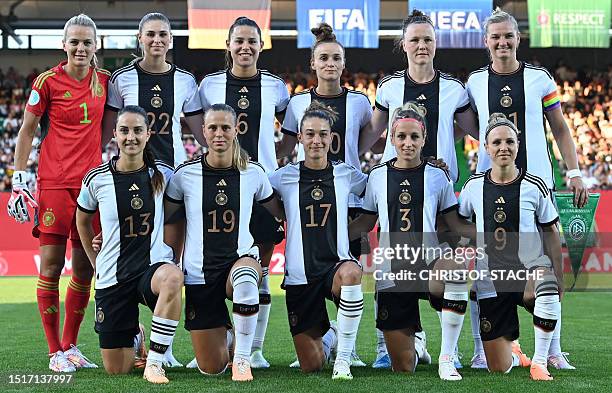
497	120
323	33
240	21
320	111
415	17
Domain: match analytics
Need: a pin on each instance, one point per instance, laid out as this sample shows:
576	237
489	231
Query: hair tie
420	123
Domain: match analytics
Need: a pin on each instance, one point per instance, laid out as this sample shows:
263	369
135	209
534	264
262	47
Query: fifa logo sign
339	18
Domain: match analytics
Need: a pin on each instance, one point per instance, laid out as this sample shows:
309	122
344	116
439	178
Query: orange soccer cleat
524	360
538	372
241	370
155	373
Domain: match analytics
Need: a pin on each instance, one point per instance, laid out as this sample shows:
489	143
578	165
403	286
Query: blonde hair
497	120
240	158
499	16
410	110
86	21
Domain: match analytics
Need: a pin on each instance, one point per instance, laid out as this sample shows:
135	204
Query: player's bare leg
499	355
118	360
210	348
400	345
257	359
311	352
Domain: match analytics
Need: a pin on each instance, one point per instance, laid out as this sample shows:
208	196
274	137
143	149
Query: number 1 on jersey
85	120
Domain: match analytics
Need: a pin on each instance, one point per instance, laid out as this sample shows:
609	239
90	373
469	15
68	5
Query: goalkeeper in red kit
67	102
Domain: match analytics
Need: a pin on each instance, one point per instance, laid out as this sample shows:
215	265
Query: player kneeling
407	195
315	193
221	261
507	201
133	265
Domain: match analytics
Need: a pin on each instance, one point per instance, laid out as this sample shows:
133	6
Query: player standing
319	265
134	265
409	197
507	201
444	99
221	261
257	97
525	94
68	103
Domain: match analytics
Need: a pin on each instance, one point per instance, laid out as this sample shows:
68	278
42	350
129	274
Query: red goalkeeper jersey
71	126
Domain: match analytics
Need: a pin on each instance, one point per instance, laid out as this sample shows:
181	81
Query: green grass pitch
587	327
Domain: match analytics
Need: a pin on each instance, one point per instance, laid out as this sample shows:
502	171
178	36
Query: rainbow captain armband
551	101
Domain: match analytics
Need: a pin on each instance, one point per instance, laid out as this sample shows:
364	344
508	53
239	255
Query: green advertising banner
576	224
569	23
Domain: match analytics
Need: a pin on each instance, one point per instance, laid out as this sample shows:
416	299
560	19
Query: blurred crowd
586	97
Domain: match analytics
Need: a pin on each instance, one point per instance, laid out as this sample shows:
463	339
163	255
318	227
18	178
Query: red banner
19	254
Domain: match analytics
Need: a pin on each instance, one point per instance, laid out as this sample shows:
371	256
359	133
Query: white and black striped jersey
256	101
354	112
442	97
218	206
503	211
316	208
408	200
523	96
132	219
163	96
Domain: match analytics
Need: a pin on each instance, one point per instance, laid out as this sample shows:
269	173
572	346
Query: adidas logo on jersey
222	183
156	88
243	90
506	88
421	97
134	187
500	200
405	183
67	94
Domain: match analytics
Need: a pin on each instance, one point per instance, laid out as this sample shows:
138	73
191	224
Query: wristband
572	173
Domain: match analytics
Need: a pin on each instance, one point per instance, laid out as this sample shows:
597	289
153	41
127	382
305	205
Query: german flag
209	20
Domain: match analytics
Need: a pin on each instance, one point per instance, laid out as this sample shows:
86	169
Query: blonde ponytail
86	21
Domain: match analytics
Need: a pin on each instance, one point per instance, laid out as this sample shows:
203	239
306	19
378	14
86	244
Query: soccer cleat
78	359
258	360
140	348
447	370
383	361
479	361
342	371
295	364
192	364
170	361
59	363
560	362
154	373
538	372
524	360
420	346
355	360
241	370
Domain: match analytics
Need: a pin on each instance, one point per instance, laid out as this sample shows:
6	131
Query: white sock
475	322
545	315
454	304
264	311
162	334
330	340
349	316
246	306
229	337
555	343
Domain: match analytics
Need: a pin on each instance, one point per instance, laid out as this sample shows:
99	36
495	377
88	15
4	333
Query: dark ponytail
240	21
157	181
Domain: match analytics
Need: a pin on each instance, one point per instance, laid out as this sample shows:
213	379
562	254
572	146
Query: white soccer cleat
59	363
342	371
192	364
420	346
170	361
77	358
295	364
447	370
560	362
479	361
258	360
355	360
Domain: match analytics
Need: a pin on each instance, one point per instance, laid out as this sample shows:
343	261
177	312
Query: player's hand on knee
437	162
96	242
20	199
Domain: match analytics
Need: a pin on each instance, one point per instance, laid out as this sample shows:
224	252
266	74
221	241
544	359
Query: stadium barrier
19	254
